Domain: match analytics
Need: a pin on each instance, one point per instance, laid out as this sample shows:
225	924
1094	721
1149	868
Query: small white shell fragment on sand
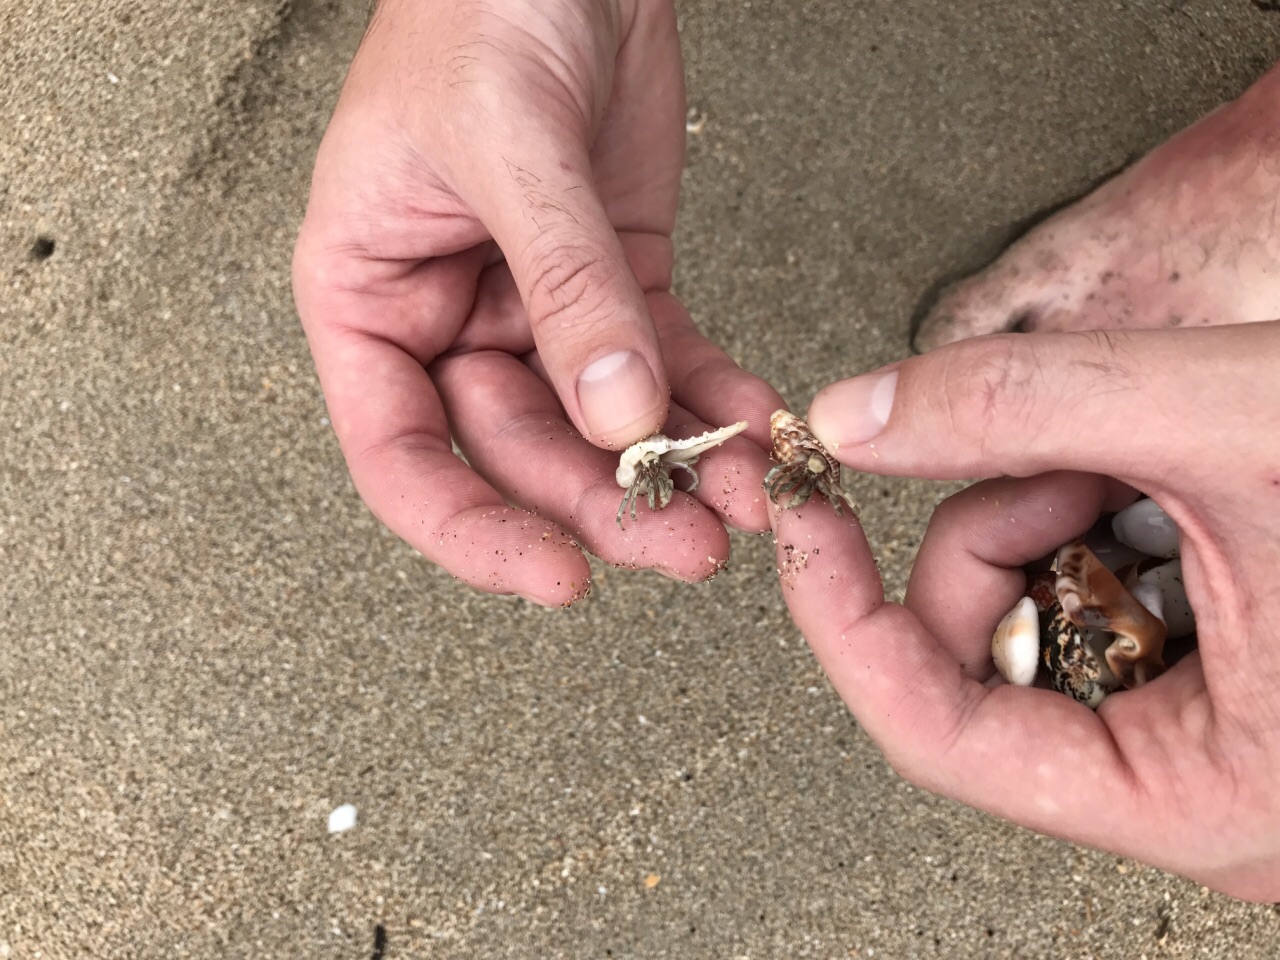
1177	614
670	451
342	818
1145	526
1015	647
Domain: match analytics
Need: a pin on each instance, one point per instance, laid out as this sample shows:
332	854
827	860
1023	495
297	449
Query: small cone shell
1015	647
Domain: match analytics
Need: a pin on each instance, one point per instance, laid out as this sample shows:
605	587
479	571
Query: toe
997	300
1043	268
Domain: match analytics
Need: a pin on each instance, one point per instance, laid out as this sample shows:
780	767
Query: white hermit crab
644	469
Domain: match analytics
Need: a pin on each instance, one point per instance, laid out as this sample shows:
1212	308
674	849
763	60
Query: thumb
1144	406
536	194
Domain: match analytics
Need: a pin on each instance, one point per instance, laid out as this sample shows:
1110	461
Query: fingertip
623	398
825	566
682	541
854	411
731	484
506	550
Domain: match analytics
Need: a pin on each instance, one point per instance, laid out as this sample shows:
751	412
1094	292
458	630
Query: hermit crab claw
1092	596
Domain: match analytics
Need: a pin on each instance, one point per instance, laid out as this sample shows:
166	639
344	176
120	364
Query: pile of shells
1098	622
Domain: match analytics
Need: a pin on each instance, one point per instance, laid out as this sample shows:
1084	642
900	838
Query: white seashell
671	451
1145	526
1015	647
1113	554
1167	578
342	818
1150	596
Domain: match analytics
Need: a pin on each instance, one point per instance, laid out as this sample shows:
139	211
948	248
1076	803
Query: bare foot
1188	235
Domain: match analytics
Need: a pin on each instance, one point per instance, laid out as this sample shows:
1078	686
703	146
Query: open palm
487	258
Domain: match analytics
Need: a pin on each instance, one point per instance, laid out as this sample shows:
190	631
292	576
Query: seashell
1166	576
1115	556
644	469
803	466
1146	527
1092	596
670	451
1149	595
1015	647
1075	658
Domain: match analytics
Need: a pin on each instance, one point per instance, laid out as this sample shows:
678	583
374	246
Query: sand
209	644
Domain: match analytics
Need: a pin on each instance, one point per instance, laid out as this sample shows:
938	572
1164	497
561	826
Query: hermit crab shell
669	450
803	466
793	441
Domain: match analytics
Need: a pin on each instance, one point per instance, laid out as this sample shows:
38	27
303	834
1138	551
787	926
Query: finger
513	431
371	325
705	379
969	571
732	474
535	191
1137	405
729	475
393	433
499	320
719	392
1031	756
418	304
569	157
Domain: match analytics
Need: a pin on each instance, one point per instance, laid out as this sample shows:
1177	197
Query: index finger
1031	756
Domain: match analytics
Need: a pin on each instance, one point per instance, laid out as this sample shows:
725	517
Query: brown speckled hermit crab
803	465
644	470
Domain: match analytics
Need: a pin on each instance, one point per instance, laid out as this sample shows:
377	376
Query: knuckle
569	288
308	273
989	389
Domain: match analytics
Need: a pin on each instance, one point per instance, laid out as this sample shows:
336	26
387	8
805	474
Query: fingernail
620	398
853	411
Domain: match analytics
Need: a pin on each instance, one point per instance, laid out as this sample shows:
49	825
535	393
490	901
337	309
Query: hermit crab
1096	629
803	465
644	470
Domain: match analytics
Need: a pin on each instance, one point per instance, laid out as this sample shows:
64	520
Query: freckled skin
1188	236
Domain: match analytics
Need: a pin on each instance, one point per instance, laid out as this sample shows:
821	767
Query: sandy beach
209	643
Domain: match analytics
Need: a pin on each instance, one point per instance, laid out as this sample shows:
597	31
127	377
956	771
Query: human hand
487	253
1182	773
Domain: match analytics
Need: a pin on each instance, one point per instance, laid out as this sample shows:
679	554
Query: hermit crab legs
644	470
802	465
